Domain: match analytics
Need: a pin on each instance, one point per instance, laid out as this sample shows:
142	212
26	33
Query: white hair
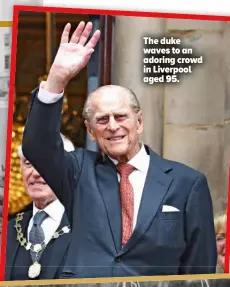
68	146
132	98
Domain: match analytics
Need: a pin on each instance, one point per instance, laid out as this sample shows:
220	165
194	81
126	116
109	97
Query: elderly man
38	240
132	213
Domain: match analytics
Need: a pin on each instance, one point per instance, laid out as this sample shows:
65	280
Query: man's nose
35	173
113	125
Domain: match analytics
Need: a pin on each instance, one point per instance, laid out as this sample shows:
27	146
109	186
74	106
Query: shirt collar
55	210
140	161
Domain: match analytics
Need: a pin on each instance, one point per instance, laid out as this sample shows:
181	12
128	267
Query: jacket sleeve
42	145
200	256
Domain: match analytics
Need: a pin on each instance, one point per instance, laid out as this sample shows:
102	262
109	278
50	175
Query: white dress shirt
47	97
55	211
137	178
140	161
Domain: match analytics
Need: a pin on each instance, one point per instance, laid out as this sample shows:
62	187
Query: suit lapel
155	188
57	249
109	189
13	244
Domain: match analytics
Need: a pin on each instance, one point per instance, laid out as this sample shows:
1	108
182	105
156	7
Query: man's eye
220	238
120	117
27	163
102	120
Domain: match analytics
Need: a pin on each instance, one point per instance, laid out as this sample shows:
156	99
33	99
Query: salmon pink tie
127	200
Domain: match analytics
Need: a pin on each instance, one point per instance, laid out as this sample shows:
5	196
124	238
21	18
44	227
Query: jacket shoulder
176	168
79	155
183	168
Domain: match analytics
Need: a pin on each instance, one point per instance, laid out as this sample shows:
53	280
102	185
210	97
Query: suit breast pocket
168	228
171	215
166	236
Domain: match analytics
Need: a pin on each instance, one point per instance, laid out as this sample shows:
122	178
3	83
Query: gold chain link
22	240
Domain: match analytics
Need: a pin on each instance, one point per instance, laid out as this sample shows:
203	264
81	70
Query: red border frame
18	8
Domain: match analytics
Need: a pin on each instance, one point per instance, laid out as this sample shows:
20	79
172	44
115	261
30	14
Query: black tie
36	235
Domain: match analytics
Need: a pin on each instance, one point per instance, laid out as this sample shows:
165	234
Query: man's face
35	185
114	124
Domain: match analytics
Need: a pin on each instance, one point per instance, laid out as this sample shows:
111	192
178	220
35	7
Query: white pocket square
169	208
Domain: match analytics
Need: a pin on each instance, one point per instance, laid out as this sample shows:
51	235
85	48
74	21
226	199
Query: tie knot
39	217
125	169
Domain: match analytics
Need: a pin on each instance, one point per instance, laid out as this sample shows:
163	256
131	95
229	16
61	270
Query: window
7	40
7	62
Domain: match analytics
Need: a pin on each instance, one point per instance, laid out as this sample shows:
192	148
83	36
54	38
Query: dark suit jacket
86	182
53	256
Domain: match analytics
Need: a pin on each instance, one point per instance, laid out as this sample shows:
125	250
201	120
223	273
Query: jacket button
118	259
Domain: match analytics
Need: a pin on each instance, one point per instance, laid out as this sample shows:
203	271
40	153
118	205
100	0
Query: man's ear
140	122
90	130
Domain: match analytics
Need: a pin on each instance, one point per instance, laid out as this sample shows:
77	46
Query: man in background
37	240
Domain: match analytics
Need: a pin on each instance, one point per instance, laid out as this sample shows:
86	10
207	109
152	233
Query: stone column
194	108
226	159
127	72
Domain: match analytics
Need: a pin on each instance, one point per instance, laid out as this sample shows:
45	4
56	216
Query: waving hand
72	56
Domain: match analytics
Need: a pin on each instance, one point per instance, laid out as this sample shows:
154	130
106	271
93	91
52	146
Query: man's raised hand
72	56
